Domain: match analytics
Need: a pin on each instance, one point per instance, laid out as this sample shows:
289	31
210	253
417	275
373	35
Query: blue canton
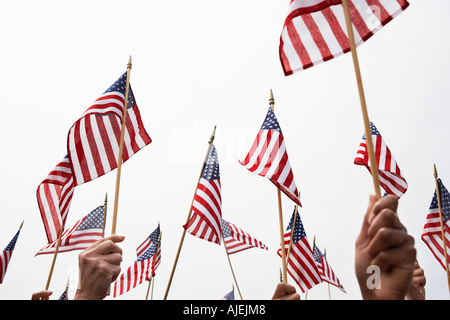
226	229
445	201
299	231
147	253
12	243
271	122
94	220
120	86
211	170
317	254
374	131
155	235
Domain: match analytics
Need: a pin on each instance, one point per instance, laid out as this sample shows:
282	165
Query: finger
115	271
386	218
293	296
114	238
387	202
108	246
288	289
400	255
387	238
113	258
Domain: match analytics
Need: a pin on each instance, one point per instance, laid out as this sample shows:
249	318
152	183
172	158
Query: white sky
198	64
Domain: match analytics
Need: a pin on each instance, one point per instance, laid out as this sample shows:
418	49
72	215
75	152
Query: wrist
85	295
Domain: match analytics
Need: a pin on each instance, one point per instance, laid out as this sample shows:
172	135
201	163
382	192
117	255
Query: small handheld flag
5	256
391	178
205	223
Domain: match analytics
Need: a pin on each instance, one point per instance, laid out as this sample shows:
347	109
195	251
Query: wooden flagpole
67	289
148	289
329	291
290	241
189	215
156	253
442	226
280	211
104	214
229	262
54	256
369	142
153	286
119	158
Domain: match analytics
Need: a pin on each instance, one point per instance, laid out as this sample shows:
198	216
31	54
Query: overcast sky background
198	64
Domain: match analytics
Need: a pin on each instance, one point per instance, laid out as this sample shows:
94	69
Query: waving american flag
205	223
325	269
93	140
268	157
315	30
143	268
93	148
6	254
81	235
237	240
391	178
301	264
432	231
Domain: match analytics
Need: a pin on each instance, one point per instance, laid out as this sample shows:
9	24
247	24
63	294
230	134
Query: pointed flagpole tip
213	135
435	171
129	63
106	198
21	224
271	99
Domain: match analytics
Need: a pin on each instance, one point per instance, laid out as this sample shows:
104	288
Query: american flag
205	223
5	256
268	157
432	232
81	235
152	239
142	269
92	144
54	196
325	270
390	176
237	240
301	264
315	30
229	295
93	140
63	295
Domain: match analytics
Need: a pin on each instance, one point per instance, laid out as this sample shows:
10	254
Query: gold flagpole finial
106	198
213	135
129	63
271	99
21	224
435	171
